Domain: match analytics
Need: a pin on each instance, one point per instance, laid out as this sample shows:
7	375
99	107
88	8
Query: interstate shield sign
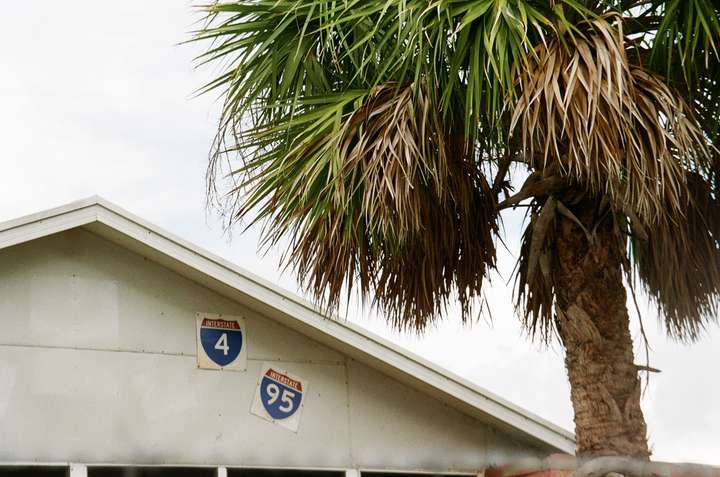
221	342
279	397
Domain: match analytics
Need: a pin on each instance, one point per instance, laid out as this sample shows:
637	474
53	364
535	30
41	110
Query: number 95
286	397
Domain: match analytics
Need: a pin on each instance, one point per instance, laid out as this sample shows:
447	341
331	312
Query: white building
100	376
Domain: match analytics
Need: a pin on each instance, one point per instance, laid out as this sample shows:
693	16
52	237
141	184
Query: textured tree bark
594	326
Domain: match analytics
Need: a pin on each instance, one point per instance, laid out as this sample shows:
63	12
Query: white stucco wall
97	365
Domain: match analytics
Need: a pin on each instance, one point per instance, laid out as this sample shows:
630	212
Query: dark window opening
408	474
283	473
33	471
151	472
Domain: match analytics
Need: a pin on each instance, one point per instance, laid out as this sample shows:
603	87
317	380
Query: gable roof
127	230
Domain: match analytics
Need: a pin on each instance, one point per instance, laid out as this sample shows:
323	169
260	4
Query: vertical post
78	470
352	473
222	472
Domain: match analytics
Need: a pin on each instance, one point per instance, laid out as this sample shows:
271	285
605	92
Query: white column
221	472
352	473
78	470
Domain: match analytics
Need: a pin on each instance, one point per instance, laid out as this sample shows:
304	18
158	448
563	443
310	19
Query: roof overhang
127	230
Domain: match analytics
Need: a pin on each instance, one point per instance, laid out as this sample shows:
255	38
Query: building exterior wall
98	365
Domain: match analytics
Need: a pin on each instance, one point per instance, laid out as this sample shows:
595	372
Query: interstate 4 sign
279	397
221	342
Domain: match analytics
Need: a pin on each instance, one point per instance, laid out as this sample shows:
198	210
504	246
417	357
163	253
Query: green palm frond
491	39
687	39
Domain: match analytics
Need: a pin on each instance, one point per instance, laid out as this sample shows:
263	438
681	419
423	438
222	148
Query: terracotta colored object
565	465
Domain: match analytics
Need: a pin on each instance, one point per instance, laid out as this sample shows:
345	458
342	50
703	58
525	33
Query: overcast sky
96	98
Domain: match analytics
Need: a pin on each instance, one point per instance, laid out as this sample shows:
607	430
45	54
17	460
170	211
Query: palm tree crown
369	130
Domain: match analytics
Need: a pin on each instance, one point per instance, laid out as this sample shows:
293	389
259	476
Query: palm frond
679	263
275	54
534	277
686	41
390	197
490	41
705	98
612	127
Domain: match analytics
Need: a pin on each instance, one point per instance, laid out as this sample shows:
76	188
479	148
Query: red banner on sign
283	379
224	324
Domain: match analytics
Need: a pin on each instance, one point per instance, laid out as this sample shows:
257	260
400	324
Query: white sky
95	98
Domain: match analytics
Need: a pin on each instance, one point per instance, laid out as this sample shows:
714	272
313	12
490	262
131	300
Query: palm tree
379	136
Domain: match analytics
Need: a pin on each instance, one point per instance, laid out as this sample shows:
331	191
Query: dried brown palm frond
614	128
447	258
679	264
534	283
392	202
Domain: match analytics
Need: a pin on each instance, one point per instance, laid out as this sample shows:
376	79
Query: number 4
222	344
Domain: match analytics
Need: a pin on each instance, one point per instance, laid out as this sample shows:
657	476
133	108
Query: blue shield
222	345
280	399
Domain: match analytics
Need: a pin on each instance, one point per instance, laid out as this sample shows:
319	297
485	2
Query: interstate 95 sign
279	397
221	342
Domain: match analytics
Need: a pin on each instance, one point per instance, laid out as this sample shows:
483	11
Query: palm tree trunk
593	324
